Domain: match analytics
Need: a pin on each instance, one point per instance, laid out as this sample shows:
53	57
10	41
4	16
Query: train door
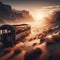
7	35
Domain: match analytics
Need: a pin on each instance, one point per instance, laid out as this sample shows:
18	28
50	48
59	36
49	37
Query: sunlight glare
38	16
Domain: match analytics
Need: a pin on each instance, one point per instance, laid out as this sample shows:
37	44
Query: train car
21	31
11	34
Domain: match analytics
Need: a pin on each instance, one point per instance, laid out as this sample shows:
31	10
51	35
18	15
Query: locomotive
12	34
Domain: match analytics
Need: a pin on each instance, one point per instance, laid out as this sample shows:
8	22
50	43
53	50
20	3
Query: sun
38	16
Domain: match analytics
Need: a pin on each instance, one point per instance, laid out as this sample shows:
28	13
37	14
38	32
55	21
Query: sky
30	4
33	6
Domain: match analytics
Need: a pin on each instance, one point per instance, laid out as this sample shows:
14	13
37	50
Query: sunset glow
38	16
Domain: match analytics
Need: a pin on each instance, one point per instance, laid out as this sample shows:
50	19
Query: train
21	31
12	34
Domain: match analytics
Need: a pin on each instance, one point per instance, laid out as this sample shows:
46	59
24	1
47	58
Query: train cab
7	35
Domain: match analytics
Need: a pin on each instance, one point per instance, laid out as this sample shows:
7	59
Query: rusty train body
11	34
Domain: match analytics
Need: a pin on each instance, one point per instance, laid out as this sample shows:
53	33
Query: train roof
16	27
21	26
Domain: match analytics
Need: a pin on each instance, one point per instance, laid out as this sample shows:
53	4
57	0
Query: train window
9	31
0	32
5	30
